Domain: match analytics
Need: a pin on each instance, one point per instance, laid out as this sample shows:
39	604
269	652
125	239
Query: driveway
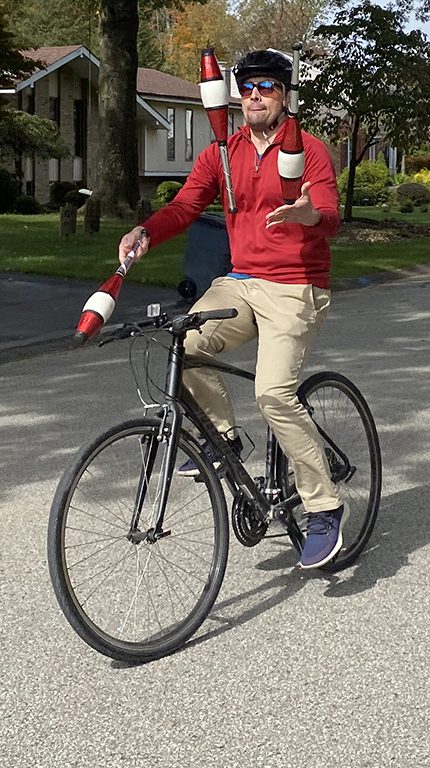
293	670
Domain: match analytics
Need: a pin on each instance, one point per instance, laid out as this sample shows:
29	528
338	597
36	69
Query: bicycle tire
353	429
97	495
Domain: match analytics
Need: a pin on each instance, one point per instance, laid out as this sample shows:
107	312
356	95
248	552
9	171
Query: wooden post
92	216
67	220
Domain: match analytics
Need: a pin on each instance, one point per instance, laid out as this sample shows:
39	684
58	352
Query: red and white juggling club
215	98
291	157
99	307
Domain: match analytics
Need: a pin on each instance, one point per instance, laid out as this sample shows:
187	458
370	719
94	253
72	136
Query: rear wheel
136	601
352	448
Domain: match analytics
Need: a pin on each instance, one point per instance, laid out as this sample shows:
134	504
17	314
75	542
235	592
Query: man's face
261	110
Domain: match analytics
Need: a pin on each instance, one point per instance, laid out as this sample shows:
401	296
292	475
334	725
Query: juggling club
215	99
291	157
99	307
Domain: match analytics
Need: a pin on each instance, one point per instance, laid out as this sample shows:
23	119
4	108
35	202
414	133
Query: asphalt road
294	670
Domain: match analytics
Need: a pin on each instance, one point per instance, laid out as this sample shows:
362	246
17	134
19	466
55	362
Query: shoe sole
337	546
195	472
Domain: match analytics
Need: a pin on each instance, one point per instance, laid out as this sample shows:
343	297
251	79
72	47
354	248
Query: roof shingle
50	55
150	82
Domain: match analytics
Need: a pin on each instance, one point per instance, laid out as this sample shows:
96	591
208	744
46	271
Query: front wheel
127	597
352	448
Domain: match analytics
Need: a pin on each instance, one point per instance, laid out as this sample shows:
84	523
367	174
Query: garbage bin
207	255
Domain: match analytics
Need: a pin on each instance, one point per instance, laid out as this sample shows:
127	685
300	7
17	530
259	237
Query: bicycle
137	552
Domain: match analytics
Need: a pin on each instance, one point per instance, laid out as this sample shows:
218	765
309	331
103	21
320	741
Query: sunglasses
265	88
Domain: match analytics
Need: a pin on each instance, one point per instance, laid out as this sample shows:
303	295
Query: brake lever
106	340
120	333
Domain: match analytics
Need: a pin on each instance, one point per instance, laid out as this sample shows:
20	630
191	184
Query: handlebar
177	326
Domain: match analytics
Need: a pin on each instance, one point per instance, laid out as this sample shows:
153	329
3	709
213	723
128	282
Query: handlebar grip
218	314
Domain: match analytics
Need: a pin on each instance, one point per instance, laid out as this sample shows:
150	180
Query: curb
376	278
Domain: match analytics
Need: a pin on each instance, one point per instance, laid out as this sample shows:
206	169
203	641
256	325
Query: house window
54	169
372	152
188	134
54	109
171	134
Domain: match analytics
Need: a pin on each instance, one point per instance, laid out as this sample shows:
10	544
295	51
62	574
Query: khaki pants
286	319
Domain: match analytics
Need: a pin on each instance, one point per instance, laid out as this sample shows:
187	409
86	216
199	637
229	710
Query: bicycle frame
179	403
237	476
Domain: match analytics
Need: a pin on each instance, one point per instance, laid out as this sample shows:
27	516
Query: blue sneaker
189	469
323	537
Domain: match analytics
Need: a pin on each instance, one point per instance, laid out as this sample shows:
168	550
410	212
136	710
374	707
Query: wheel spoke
136	597
342	413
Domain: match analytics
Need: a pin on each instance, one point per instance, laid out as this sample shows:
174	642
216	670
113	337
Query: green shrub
365	195
8	191
406	206
167	190
424	208
156	204
399	178
371	182
27	205
144	208
413	190
58	191
215	207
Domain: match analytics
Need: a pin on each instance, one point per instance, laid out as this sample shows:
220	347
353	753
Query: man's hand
301	212
129	241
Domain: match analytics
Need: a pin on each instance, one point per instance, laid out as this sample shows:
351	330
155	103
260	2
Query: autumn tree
277	24
234	27
193	28
373	79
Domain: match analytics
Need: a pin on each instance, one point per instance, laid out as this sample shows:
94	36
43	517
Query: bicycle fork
167	432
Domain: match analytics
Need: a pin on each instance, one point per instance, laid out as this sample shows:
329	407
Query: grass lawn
32	244
363	259
378	214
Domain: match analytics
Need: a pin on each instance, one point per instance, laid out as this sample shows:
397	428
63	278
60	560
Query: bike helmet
270	62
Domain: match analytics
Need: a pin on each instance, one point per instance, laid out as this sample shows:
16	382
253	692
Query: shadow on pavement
403	527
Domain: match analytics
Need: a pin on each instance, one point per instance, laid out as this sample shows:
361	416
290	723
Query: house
172	124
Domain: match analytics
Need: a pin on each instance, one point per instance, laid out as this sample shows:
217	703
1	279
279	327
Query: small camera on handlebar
153	310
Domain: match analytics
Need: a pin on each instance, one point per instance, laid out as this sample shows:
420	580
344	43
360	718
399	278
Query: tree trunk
347	216
117	168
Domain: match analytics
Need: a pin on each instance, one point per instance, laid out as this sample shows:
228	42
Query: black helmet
258	63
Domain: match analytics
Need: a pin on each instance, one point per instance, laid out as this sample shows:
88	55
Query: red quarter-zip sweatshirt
286	253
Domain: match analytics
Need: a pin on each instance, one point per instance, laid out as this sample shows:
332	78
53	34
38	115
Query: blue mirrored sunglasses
265	88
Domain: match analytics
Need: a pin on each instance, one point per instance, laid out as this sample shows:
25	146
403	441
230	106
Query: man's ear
286	100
